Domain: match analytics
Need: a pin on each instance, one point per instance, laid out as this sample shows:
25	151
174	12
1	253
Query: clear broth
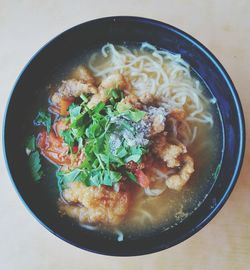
171	207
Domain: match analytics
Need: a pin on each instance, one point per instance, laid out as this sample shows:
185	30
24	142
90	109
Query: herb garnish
94	131
34	158
43	118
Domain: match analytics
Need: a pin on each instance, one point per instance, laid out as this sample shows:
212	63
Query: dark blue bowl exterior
117	30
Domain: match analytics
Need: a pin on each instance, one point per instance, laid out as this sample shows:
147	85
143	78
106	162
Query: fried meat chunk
98	204
85	84
169	153
177	181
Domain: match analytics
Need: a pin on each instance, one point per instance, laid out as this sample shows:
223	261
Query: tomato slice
142	178
52	147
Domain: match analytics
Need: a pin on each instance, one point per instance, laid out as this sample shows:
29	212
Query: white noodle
155	191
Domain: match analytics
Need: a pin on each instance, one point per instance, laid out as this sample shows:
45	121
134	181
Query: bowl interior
31	86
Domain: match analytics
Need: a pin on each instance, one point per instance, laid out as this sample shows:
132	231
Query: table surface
222	26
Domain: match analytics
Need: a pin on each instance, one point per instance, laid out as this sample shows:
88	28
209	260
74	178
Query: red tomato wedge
142	178
52	147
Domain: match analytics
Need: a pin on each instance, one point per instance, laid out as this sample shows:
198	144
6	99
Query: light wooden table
224	27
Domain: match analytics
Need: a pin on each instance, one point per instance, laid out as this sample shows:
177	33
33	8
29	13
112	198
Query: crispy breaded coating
169	153
158	124
112	81
72	88
177	181
149	99
99	204
81	73
82	83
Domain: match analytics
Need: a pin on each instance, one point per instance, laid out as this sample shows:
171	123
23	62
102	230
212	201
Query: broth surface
150	214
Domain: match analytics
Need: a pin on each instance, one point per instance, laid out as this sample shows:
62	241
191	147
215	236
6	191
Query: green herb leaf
136	158
121	152
66	177
115	176
67	137
94	127
31	143
74	110
114	94
84	98
136	115
35	165
122	107
43	118
132	176
99	107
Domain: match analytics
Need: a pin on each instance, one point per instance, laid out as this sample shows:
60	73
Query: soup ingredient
142	178
64	104
177	181
169	153
122	137
43	118
104	151
52	147
99	204
74	88
35	165
156	73
30	144
114	81
34	159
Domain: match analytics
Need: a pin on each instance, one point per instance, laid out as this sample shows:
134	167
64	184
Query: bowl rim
236	100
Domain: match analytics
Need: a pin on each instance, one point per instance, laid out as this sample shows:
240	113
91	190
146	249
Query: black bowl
68	45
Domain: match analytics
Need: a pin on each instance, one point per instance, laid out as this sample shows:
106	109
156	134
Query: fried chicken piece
115	80
81	73
72	88
85	84
112	81
177	181
99	204
149	99
158	124
169	153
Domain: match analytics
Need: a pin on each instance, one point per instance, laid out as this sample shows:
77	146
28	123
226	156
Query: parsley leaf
43	118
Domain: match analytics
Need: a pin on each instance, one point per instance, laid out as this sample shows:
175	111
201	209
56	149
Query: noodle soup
136	138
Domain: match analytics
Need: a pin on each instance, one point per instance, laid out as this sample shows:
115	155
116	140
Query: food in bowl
135	137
